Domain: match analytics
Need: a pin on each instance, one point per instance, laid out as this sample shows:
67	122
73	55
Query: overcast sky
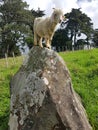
90	7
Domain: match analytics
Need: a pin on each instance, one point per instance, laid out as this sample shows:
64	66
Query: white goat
44	27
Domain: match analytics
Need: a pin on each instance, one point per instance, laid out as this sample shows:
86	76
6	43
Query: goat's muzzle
61	19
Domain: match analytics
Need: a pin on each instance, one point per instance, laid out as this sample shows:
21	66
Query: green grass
83	66
6	72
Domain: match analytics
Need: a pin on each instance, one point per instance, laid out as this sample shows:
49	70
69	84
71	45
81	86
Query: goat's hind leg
35	39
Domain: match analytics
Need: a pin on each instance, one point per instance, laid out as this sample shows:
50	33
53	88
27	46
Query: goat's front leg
48	44
40	42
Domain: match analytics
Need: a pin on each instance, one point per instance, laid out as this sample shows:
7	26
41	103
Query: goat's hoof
48	46
41	46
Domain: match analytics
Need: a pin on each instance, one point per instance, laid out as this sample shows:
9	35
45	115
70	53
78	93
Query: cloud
37	3
66	5
90	7
47	5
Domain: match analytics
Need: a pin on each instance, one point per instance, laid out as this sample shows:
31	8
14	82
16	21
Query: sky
90	7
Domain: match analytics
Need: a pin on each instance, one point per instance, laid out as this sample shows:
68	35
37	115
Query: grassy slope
83	66
5	76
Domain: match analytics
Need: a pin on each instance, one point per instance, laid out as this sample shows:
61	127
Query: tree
15	25
38	13
60	40
95	37
78	23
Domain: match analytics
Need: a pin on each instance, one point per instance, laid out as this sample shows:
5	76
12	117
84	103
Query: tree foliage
16	22
38	13
78	23
61	39
16	26
95	37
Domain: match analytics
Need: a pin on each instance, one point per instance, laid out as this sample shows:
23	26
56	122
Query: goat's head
57	16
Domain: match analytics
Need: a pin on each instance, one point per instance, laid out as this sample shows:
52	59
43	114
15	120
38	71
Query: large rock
42	96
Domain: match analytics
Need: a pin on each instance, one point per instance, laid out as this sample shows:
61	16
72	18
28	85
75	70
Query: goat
44	27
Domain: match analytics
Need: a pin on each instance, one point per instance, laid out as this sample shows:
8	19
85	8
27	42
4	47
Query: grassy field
83	66
7	70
